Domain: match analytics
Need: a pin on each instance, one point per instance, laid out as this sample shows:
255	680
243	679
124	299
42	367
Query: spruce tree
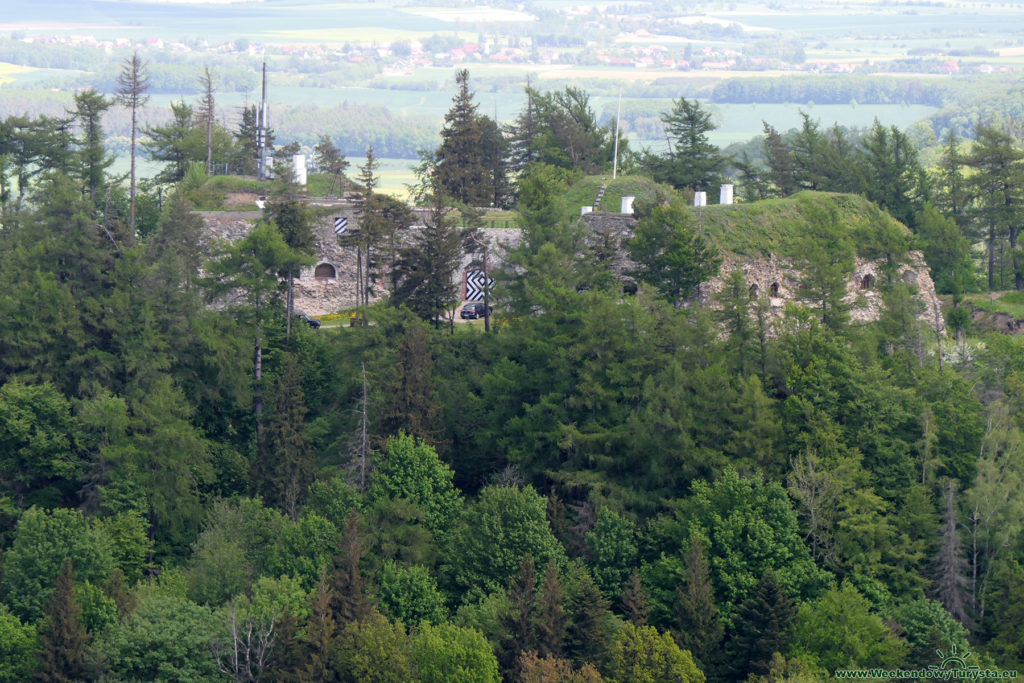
997	182
587	631
519	622
461	168
63	637
636	601
331	161
425	273
761	628
286	462
550	613
700	630
951	584
92	157
350	601
410	403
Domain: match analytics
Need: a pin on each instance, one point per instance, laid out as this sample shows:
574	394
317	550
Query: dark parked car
312	322
472	311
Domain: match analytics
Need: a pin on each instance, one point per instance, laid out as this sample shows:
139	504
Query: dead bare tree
132	84
246	654
206	112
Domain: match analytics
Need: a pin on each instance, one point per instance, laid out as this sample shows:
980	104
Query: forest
600	483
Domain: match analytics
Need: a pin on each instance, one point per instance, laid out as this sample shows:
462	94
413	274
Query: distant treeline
839	89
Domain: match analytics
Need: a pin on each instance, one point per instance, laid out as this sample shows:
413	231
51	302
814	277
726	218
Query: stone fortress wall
330	284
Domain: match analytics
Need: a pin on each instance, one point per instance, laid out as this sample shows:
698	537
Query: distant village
639	49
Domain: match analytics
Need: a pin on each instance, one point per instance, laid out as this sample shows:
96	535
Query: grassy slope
772	226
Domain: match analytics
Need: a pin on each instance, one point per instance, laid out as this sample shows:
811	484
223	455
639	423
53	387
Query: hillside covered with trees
603	485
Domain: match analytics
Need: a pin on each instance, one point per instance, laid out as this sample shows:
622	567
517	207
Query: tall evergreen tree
810	155
170	143
893	176
92	157
464	164
693	161
519	622
286	464
700	630
672	256
828	258
998	186
426	268
63	637
761	628
331	161
635	600
410	402
350	601
951	584
550	613
952	188
294	219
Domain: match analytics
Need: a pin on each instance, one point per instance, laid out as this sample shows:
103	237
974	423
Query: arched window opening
774	289
867	282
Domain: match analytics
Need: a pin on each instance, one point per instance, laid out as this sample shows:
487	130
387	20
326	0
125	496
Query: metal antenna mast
618	115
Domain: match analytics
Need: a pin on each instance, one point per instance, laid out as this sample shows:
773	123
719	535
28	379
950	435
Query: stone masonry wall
330	284
317	291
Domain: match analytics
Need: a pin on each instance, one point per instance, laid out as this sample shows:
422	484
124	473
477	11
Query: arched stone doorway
325	271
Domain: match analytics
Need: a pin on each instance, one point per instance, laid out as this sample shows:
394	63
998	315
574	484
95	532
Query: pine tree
169	143
310	656
63	637
693	162
997	183
953	193
294	219
588	631
828	258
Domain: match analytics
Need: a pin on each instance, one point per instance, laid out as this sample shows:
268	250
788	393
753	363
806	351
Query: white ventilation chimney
700	199
586	209
725	194
299	165
627	205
